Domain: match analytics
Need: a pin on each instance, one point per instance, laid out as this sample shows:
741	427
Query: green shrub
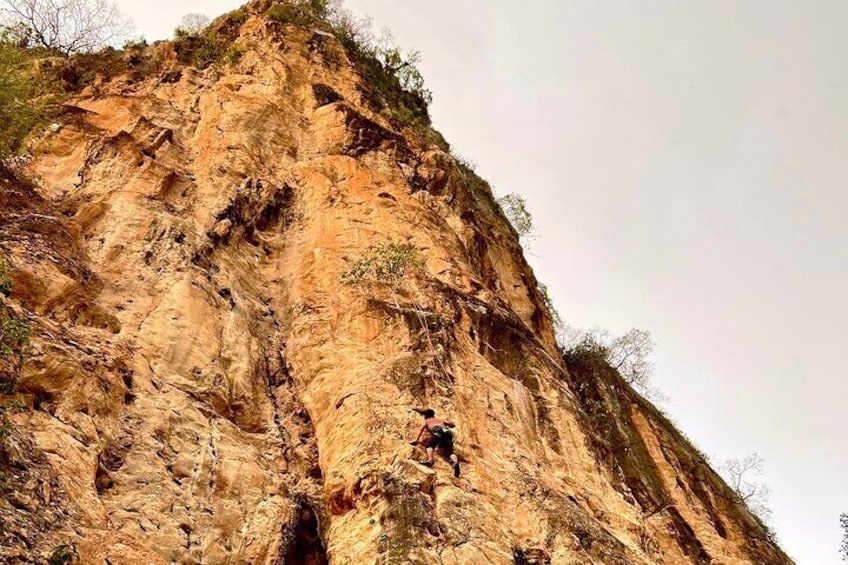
199	51
238	17
63	555
515	209
14	334
234	54
386	263
138	43
292	13
5	279
392	74
546	298
21	109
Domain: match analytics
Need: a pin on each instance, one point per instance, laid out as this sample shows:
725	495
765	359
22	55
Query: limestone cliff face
201	387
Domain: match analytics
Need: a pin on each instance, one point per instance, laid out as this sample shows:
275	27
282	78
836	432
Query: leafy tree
515	208
404	66
743	477
66	26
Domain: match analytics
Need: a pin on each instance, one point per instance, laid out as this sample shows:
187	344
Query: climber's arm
420	433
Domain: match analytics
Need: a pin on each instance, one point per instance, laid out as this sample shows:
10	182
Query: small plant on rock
5	279
556	319
386	263
64	554
14	334
234	53
195	46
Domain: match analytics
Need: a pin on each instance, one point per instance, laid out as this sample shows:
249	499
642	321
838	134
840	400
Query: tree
66	26
628	354
193	24
843	521
742	476
515	208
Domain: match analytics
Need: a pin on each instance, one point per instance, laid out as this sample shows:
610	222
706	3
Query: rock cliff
202	385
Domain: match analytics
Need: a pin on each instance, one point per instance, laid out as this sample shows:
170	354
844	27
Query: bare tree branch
193	24
67	26
742	476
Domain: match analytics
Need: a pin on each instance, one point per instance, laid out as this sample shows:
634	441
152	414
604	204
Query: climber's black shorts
443	441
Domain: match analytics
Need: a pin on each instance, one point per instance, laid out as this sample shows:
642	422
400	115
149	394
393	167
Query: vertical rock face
202	387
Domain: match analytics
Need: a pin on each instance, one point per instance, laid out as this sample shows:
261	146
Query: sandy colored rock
201	387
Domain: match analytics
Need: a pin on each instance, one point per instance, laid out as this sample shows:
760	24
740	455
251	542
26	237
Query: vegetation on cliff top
21	110
391	71
32	31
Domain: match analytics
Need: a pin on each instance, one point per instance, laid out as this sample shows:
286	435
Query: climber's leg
455	460
430	456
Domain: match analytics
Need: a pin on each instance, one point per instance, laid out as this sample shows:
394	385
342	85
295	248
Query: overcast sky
686	164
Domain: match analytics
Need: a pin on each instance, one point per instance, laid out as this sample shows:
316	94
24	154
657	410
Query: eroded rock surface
202	388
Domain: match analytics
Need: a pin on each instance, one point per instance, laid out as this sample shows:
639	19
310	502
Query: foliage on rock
64	554
515	209
5	279
628	354
385	263
21	110
556	318
390	71
14	334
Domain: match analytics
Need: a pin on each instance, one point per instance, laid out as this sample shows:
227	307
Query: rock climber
437	434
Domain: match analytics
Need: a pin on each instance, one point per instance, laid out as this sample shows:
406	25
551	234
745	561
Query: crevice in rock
301	537
325	94
305	546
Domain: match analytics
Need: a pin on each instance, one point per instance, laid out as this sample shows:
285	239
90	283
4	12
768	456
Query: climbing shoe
456	470
428	463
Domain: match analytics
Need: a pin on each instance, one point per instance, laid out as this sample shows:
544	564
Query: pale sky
686	164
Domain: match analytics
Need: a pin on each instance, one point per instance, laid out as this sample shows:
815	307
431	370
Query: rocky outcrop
202	387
